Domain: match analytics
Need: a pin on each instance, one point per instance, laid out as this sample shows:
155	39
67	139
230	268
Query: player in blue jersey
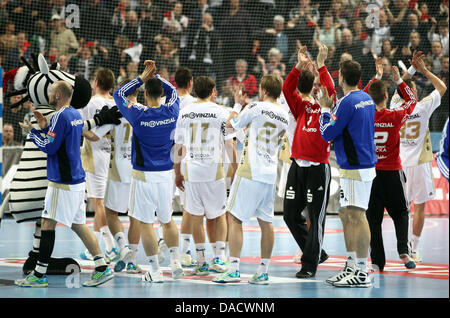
151	158
351	125
64	199
442	155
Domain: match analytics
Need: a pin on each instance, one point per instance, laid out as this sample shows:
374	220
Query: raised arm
379	74
325	77
410	100
170	92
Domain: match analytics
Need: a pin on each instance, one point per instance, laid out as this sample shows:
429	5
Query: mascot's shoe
56	266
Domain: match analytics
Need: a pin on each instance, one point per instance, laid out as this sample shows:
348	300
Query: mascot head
35	81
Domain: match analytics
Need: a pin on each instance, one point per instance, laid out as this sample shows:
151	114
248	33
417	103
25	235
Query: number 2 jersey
120	163
266	124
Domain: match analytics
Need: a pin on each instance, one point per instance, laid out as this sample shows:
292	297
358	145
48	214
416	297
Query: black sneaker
305	274
323	257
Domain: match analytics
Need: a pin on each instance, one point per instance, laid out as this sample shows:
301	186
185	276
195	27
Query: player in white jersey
118	189
201	139
95	157
416	151
253	190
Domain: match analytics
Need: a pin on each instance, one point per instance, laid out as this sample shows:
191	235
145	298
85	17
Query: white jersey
96	155
266	124
285	151
120	166
201	129
186	100
415	140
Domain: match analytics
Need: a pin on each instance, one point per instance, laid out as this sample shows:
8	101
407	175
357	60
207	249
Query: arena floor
429	280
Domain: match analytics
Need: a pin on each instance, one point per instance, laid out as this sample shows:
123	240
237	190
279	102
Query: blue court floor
429	280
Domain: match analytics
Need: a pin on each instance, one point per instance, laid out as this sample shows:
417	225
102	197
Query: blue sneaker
218	266
124	255
99	278
262	279
228	277
112	256
201	270
134	269
408	261
32	281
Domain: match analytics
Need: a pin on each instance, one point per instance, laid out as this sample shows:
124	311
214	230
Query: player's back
266	126
186	100
202	125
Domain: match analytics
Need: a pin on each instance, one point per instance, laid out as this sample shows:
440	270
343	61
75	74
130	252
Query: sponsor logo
311	110
310	129
51	135
272	115
193	115
76	122
414	116
309	196
384	125
155	123
290	194
364	104
333	119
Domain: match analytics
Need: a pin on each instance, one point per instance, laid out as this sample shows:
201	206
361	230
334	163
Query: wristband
237	108
411	70
378	77
399	81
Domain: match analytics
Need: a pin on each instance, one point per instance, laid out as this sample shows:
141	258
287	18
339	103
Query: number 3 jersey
201	129
266	124
120	164
388	123
415	140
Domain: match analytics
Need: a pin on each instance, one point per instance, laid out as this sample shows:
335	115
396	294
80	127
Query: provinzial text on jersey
154	123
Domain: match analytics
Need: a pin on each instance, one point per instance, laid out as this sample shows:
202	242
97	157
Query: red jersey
388	123
308	143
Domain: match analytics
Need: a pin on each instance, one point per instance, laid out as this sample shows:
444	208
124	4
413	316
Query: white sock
263	267
99	260
415	243
174	254
200	249
234	264
107	237
120	240
220	250
227	249
361	264
351	259
154	265
213	248
159	233
185	242
134	248
99	237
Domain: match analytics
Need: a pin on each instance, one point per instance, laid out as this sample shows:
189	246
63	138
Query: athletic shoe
112	256
262	279
162	250
124	255
356	279
298	256
186	259
305	274
177	270
155	277
99	278
340	275
32	281
409	263
134	269
201	270
323	257
416	257
86	256
218	266
228	277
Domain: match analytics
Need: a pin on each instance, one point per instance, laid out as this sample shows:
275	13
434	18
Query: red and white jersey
388	123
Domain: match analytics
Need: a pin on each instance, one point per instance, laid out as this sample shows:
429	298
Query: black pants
388	191
307	187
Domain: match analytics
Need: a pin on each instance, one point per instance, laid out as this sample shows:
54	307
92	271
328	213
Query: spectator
24	14
386	78
415	42
132	29
59	8
14	116
380	34
437	120
329	34
349	45
92	15
166	55
398	19
64	63
3	16
9	39
441	36
118	20
86	61
13	57
242	79
340	15
116	57
274	63
8	136
130	73
277	37
52	56
175	25
303	22
387	50
40	39
62	38
436	54
358	32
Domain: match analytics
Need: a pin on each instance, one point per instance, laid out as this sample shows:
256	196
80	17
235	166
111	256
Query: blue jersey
442	155
62	145
153	128
352	127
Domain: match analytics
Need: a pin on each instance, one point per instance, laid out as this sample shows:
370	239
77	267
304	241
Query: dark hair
203	86
105	78
182	77
305	82
125	81
272	84
154	88
351	72
377	91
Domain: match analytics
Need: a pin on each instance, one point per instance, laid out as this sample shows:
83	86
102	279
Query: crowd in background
235	42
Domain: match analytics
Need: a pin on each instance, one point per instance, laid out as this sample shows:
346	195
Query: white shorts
205	198
355	193
64	203
117	196
95	185
419	183
251	198
150	202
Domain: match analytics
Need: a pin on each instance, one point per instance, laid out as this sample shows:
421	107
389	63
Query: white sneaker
162	250
298	256
356	279
186	260
340	275
218	266
416	257
155	277
124	255
177	270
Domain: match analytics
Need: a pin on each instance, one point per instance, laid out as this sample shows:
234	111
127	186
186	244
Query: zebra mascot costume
29	185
